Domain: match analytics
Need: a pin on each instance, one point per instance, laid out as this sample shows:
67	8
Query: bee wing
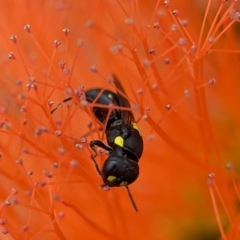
107	97
127	116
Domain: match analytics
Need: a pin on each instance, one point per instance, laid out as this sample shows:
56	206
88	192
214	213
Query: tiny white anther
186	93
168	107
78	146
83	140
93	69
166	60
11	55
211	175
27	28
212	40
156	25
229	166
181	41
13	38
58	133
73	163
175	12
66	31
174	27
56	42
166	3
212	81
80	42
55	165
129	21
61	150
90	23
151	50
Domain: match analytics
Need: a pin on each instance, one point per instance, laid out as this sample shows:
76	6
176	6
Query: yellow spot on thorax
119	141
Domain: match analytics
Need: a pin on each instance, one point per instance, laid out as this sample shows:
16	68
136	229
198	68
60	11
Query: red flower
178	63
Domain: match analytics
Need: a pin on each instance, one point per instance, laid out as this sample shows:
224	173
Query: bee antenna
131	197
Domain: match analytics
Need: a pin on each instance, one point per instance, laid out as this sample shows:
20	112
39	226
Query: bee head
118	171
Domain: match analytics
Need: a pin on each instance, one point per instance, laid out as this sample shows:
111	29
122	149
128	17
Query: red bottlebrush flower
178	63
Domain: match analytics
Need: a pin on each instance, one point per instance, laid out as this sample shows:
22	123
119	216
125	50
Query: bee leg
64	100
92	146
99	144
94	160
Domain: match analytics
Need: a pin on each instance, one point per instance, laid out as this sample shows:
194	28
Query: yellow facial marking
111	178
119	141
122	184
135	126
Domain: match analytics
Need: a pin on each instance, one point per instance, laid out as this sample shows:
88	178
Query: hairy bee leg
64	100
94	160
92	146
131	198
99	144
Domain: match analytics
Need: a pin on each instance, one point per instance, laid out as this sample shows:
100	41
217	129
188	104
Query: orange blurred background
179	65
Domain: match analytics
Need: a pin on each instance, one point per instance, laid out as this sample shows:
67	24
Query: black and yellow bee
123	137
125	143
